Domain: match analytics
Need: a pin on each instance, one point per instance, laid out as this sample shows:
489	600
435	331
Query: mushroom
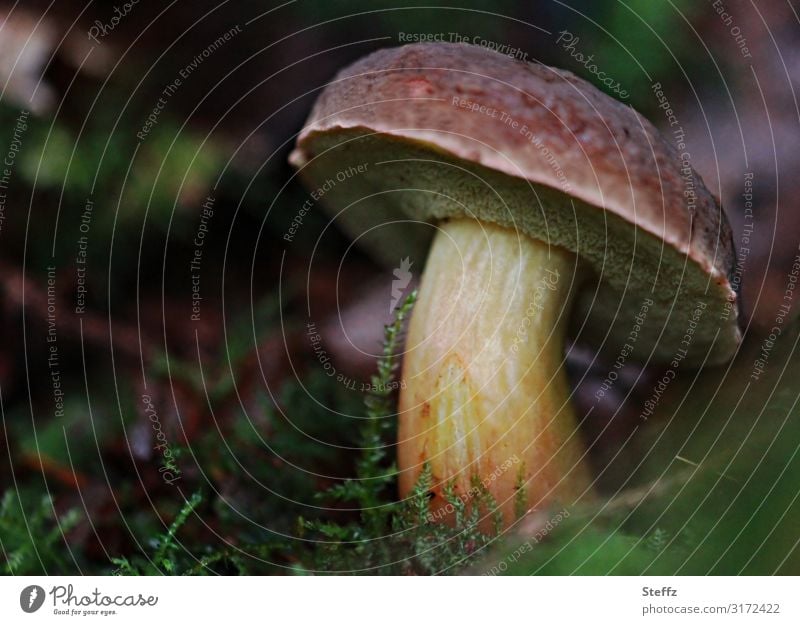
550	202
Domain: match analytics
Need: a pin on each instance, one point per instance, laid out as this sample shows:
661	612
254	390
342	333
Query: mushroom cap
439	130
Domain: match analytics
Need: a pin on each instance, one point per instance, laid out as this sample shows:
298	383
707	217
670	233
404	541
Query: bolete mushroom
550	201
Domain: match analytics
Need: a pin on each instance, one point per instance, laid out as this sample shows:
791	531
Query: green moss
33	537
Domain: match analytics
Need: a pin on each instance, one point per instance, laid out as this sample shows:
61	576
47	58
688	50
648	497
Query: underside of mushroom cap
436	131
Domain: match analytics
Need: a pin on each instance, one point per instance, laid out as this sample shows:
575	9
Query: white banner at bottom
405	600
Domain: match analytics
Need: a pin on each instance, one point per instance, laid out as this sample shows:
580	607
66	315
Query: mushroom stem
485	395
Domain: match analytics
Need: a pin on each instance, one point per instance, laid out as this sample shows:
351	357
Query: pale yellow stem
485	392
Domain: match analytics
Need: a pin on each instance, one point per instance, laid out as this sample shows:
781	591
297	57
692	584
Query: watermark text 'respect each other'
317	194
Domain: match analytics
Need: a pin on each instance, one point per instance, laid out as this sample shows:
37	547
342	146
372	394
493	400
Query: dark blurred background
113	170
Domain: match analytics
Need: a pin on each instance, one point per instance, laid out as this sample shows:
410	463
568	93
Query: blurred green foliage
32	535
717	469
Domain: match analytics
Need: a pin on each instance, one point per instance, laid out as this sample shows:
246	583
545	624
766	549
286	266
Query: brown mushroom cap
446	130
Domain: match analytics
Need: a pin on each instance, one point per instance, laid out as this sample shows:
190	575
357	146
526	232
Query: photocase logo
31	598
403	277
